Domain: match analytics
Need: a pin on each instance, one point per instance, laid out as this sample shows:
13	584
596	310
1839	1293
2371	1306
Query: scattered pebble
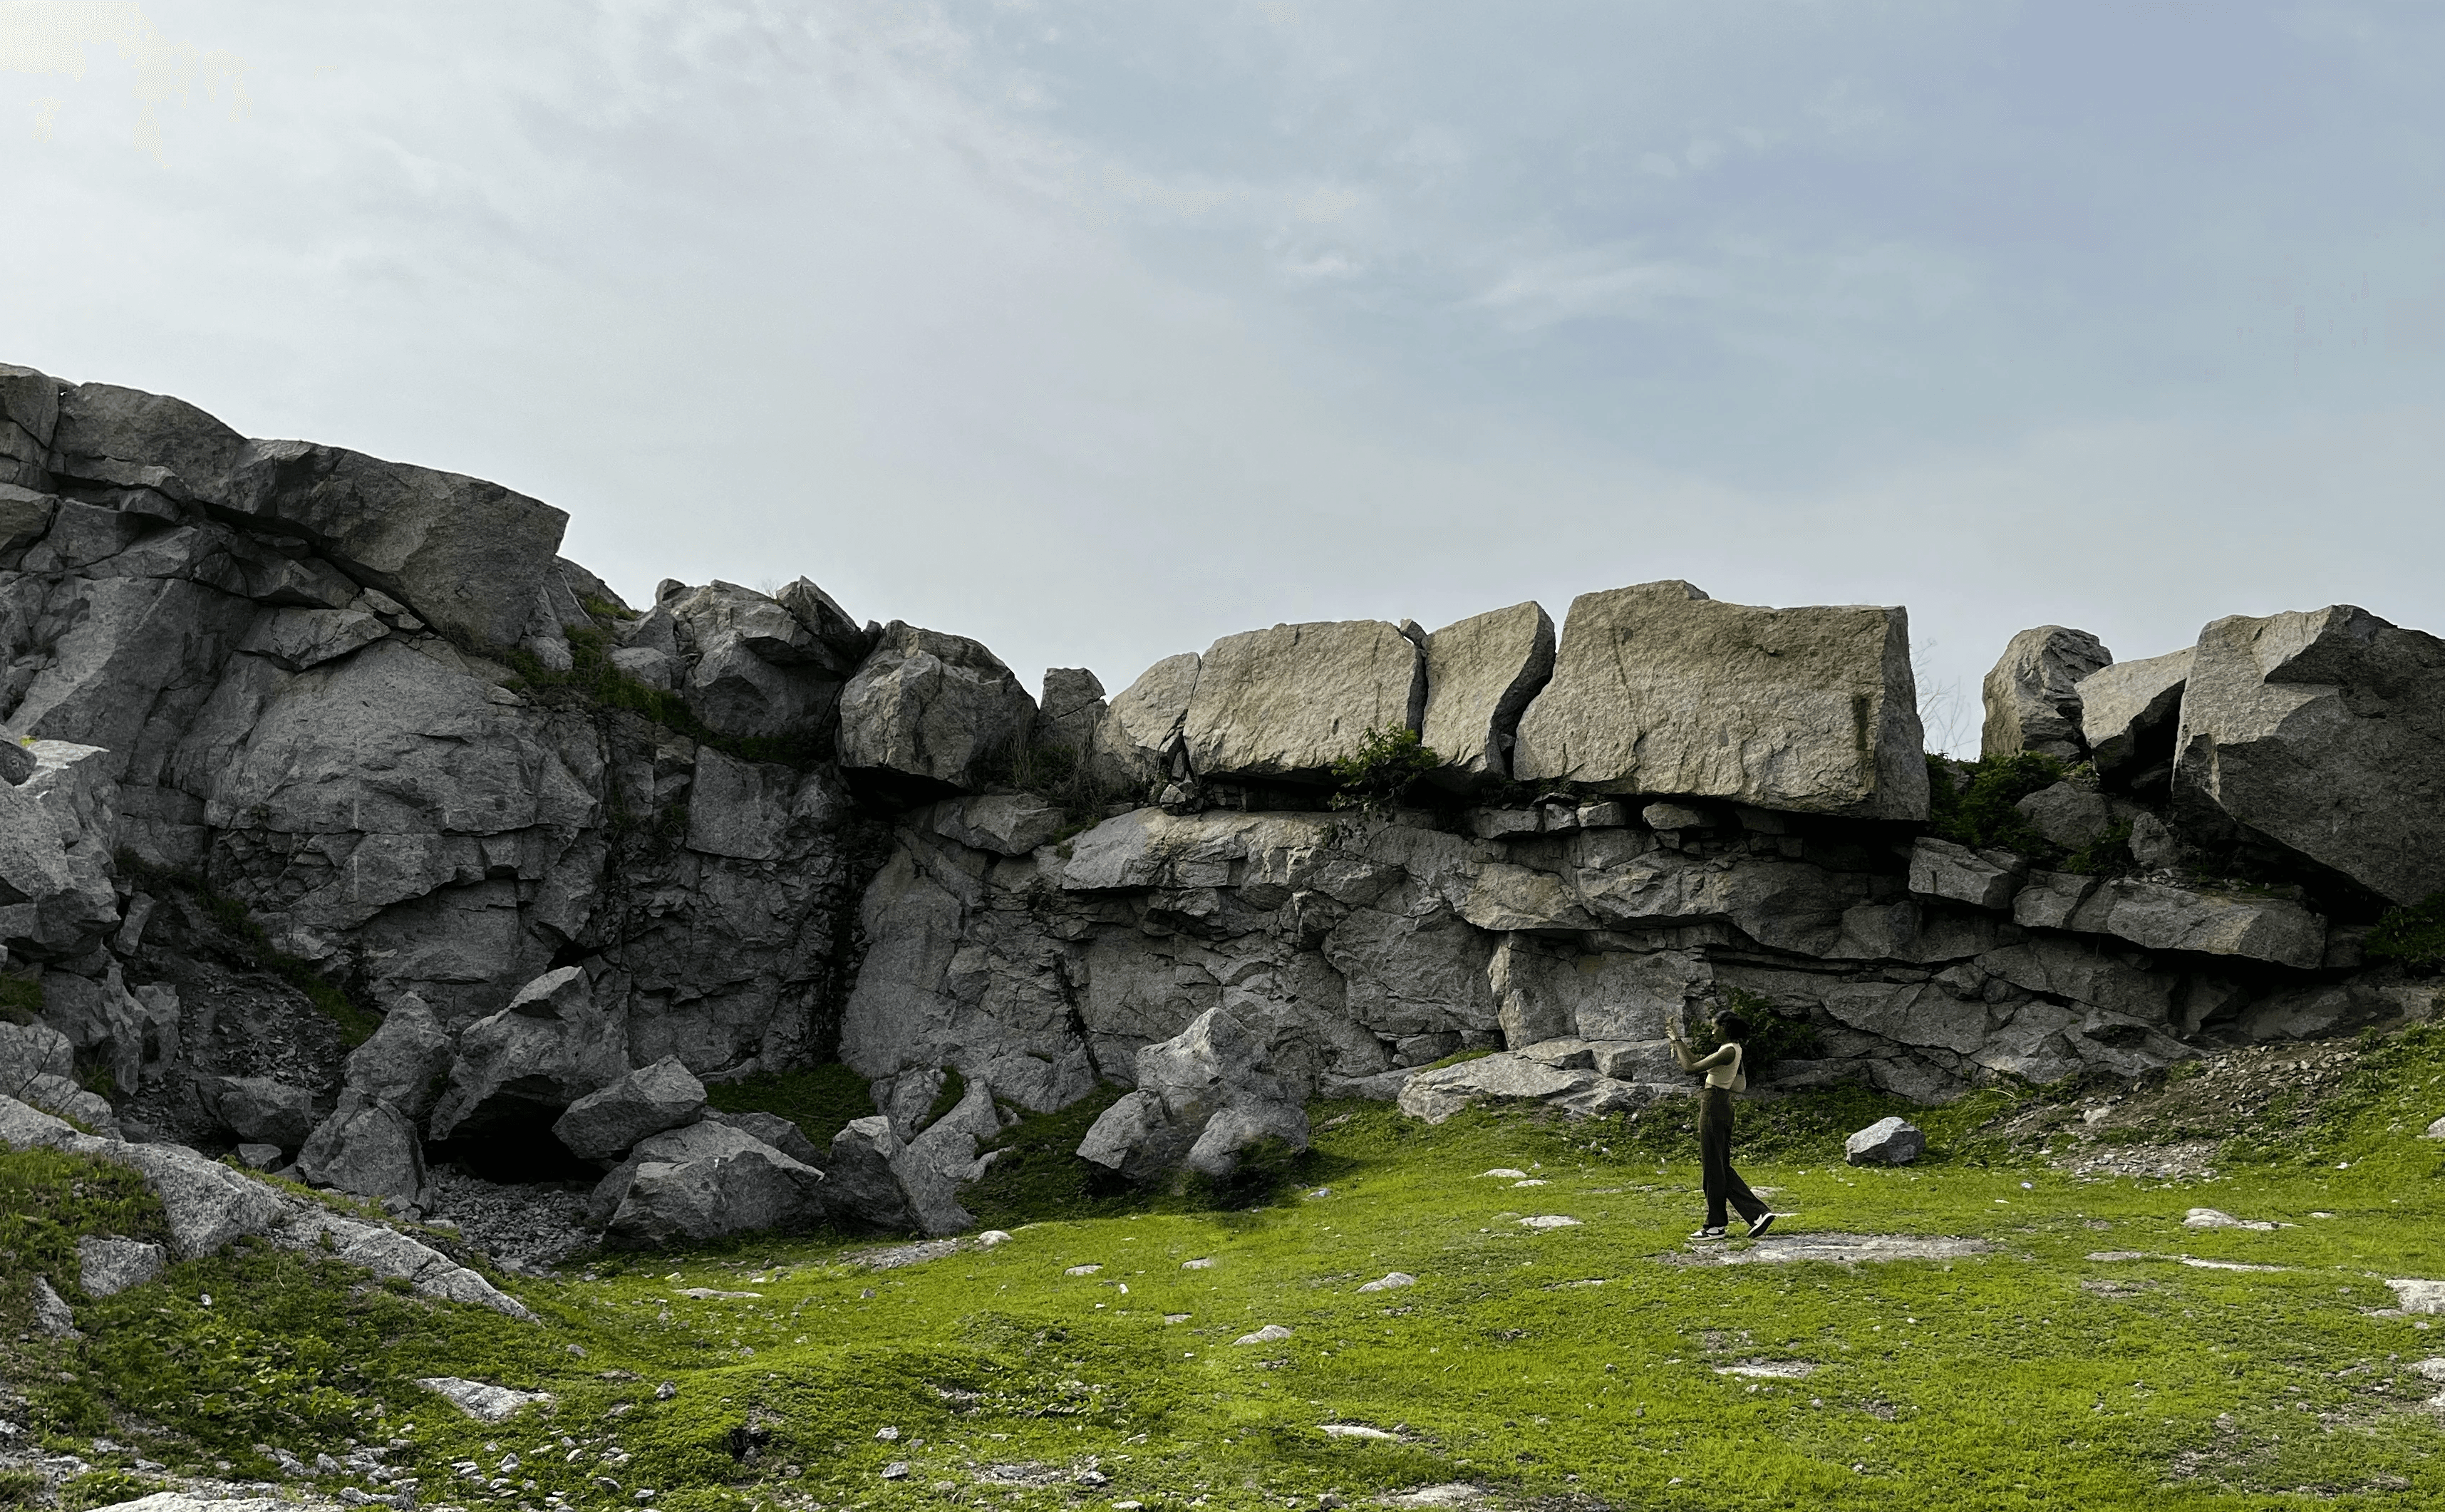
2209	1218
1355	1431
896	1470
1391	1282
1206	1264
1082	1270
1271	1332
992	1237
1549	1221
1504	1172
886	1434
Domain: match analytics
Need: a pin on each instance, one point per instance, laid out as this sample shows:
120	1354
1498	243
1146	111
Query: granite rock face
2033	694
1285	703
2322	734
1659	689
585	860
1480	674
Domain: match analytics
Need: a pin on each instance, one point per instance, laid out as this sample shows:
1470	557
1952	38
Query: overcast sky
1098	330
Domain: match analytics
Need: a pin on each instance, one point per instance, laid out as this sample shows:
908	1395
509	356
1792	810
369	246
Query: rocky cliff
308	746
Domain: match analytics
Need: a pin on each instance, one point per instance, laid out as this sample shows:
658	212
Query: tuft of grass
2108	855
2414	934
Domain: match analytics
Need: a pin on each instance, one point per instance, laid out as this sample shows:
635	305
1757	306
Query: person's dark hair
1731	1028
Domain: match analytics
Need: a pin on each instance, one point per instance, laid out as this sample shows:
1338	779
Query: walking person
1724	1075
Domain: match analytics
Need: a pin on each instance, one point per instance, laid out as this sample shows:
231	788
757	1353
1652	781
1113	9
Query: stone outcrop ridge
586	861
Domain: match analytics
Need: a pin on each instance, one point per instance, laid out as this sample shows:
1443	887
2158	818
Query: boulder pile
347	826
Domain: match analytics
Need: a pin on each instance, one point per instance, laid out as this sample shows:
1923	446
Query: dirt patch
1839	1249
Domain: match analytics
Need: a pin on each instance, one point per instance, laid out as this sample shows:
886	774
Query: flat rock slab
479	1400
1839	1249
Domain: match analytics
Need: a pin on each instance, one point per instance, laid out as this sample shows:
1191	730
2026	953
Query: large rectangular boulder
1481	673
1658	689
1287	703
2322	734
2129	709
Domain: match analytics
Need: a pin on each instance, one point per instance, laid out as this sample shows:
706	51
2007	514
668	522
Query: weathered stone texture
1658	689
2322	734
1287	703
2032	694
2124	709
1480	674
937	709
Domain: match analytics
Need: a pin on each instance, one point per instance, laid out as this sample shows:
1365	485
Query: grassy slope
2032	1377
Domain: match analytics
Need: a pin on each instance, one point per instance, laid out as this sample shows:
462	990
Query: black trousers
1723	1184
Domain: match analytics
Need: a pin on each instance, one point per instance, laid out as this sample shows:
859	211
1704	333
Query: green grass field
1567	1366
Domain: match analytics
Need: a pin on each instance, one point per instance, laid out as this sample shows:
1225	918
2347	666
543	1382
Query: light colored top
1722	1065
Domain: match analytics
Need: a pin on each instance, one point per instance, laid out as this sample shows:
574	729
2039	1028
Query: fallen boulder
646	1101
1204	1099
1658	689
406	1063
2032	694
1886	1142
2322	734
261	1110
861	1186
1287	703
1480	674
367	1147
753	1188
1517	1076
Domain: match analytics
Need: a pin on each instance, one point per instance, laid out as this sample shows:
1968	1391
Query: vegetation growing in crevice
593	680
2413	934
1063	777
1979	812
1773	1035
1390	760
21	998
2108	855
